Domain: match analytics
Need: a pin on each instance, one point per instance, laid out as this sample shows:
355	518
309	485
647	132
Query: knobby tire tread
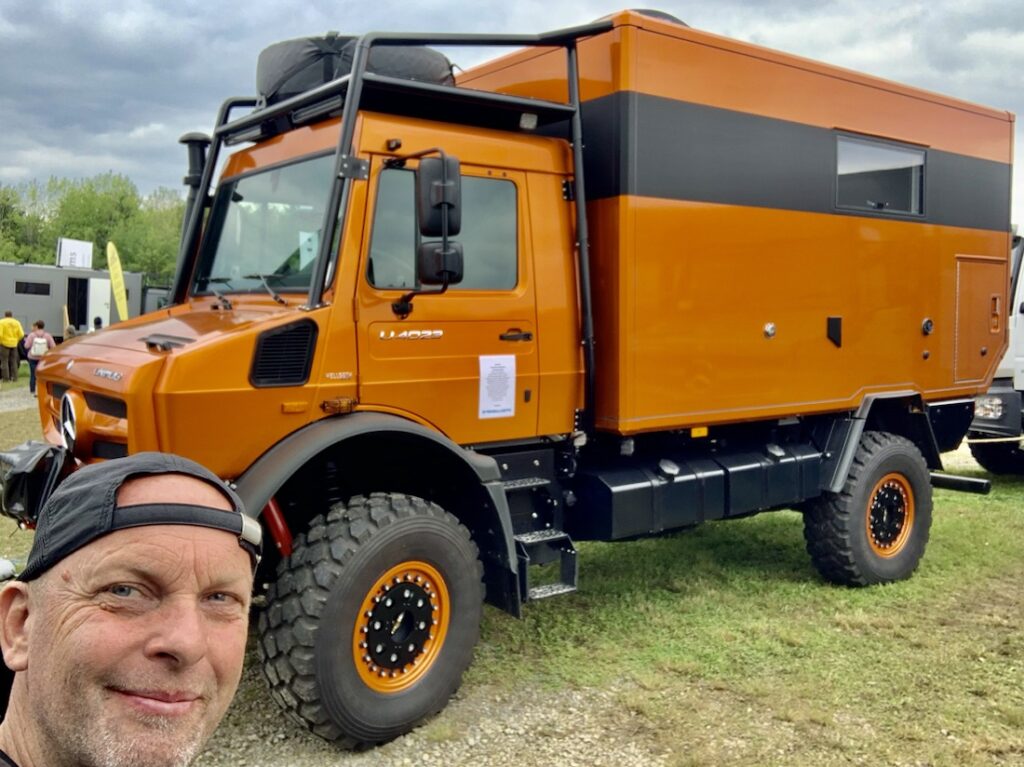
289	624
829	522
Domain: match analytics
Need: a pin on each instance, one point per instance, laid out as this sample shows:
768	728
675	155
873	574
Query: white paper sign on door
497	386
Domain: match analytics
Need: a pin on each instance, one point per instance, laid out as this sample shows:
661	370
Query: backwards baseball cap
84	508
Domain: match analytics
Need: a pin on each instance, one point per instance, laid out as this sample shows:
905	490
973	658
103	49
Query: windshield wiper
220	296
263	278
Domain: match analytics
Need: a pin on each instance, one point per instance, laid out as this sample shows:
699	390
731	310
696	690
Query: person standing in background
37	343
11	333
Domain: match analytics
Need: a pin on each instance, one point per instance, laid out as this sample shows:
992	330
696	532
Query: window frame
484	176
20	288
215	223
880	143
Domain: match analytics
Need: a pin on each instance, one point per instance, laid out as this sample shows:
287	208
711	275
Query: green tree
148	241
94	208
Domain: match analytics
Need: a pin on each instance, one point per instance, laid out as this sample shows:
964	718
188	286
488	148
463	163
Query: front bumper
28	474
997	412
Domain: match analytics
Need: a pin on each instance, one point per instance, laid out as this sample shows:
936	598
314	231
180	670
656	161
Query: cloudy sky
110	85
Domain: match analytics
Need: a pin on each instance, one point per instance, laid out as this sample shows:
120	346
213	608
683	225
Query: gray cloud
111	85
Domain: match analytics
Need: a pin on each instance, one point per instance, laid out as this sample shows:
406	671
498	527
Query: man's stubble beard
87	733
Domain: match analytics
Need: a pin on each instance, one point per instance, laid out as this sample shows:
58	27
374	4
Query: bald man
126	631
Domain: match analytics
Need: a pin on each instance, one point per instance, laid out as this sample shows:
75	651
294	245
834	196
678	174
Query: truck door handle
515	334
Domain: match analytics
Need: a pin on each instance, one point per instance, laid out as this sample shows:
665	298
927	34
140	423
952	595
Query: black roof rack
448	103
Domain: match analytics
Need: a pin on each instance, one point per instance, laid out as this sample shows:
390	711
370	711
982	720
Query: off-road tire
997	457
308	633
855	537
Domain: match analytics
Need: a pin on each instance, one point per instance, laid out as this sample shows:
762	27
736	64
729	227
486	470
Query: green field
725	647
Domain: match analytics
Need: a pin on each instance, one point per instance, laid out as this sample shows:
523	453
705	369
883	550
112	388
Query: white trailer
40	292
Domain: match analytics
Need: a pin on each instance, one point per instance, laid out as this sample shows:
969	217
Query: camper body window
32	288
488	236
879	177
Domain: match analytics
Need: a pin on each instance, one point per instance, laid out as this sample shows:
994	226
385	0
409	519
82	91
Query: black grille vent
284	355
106	405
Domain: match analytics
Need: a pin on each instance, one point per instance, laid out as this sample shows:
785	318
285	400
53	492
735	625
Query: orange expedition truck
625	279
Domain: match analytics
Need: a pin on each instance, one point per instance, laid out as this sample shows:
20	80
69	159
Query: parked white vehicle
996	432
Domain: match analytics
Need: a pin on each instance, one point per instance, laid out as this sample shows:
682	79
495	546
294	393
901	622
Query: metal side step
542	547
526	483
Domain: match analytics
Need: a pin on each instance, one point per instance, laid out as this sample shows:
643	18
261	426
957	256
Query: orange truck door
464	361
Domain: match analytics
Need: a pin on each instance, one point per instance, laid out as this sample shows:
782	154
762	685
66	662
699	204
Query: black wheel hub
398	626
888	514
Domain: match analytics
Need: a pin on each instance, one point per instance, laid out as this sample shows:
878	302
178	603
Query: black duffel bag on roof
291	67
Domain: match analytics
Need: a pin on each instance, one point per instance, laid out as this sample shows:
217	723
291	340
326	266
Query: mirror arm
403	306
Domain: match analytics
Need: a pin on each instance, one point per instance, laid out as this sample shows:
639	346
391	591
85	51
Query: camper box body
736	274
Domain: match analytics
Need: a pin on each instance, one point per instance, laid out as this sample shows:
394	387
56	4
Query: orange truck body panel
685	288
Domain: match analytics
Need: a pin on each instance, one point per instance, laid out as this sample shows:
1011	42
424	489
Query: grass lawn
728	649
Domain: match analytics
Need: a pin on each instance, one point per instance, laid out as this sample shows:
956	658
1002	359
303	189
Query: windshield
265	230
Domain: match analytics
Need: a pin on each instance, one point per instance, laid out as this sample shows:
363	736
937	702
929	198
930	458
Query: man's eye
122	590
221	597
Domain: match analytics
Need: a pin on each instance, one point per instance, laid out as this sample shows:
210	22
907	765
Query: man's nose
178	633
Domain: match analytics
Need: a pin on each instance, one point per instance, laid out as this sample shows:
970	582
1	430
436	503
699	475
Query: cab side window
489	235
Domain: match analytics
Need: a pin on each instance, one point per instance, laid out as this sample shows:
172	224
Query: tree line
106	207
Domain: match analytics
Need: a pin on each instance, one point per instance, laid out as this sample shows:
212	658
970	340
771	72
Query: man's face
136	641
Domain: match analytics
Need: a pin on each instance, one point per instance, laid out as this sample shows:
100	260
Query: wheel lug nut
379	648
394	657
388	602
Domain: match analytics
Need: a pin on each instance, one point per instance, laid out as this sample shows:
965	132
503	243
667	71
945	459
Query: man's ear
14	625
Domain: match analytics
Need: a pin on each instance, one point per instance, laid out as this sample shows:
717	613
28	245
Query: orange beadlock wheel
401	628
890	515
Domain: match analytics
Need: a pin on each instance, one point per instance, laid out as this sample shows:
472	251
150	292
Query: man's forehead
161	550
170	488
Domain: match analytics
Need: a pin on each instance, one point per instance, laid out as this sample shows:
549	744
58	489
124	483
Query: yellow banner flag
117	281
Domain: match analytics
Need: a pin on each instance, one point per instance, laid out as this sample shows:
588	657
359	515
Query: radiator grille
284	355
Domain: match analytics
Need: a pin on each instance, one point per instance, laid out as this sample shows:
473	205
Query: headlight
988	407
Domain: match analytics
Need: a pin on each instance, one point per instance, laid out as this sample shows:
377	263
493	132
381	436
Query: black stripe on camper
650	146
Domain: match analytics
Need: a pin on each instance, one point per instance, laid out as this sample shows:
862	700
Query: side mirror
438	190
439	265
